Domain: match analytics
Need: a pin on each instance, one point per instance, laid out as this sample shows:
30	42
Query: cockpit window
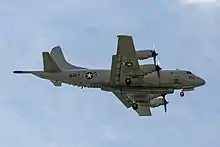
188	72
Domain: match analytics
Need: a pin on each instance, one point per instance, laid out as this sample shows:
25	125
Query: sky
35	113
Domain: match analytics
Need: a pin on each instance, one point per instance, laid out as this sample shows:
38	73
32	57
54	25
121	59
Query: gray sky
35	113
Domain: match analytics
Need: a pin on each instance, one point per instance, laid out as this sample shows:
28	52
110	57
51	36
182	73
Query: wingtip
124	36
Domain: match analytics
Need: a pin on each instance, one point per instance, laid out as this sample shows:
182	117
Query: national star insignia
89	75
129	64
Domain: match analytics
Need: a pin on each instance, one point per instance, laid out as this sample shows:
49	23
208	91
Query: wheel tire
135	106
182	94
128	81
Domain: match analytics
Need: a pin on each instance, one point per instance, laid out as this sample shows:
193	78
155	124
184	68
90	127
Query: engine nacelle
156	102
148	68
144	54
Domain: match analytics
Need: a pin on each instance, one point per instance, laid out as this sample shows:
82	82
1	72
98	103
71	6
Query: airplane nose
202	81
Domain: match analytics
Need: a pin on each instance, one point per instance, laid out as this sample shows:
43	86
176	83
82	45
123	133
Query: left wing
123	98
144	111
124	63
126	99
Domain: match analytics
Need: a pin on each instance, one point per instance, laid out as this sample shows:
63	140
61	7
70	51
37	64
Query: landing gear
182	94
128	81
135	106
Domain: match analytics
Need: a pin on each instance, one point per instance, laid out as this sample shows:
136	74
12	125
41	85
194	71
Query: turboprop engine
149	68
157	102
145	54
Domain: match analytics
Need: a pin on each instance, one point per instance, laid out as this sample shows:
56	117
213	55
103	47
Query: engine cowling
156	102
144	54
148	68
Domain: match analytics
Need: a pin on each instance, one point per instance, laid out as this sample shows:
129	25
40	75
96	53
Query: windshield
188	72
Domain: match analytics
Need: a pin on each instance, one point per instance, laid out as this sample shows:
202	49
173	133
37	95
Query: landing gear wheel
128	81
182	94
135	106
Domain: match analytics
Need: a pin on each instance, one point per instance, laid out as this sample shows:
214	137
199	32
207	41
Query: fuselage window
192	78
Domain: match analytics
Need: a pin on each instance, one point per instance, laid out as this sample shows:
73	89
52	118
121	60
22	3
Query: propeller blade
158	68
153	46
154	53
158	62
154	59
165	103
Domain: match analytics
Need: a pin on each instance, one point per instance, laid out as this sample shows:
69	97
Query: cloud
202	2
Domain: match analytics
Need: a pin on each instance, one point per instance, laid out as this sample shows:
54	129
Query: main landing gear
182	94
128	81
134	106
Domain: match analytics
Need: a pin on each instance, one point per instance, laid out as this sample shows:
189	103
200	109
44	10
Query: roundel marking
89	75
129	64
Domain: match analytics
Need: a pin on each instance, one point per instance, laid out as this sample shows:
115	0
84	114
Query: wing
124	63
125	98
142	98
144	111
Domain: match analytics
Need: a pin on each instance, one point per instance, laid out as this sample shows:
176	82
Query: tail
59	58
49	64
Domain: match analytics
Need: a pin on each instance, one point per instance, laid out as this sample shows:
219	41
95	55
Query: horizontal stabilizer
49	64
22	72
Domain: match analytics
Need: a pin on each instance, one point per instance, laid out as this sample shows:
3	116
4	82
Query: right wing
124	63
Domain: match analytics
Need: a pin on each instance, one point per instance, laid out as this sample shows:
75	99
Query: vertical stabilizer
59	58
49	64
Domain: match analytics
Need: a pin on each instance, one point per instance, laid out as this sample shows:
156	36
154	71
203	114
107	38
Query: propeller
154	54
165	103
158	68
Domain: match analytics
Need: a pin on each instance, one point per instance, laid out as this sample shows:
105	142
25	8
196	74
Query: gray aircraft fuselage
174	79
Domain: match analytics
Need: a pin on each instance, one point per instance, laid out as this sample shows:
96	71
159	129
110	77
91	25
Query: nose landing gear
182	94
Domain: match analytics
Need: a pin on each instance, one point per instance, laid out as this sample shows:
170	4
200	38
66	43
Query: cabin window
192	78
